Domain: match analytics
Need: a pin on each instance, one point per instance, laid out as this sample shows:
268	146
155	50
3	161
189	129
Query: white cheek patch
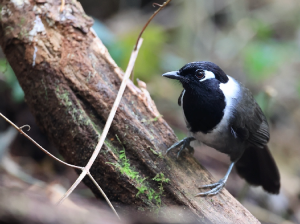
182	98
208	75
230	89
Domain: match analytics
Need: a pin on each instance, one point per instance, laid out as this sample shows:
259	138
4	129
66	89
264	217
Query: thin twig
110	118
145	26
19	129
62	6
26	125
67	164
37	144
156	4
74	185
149	20
106	198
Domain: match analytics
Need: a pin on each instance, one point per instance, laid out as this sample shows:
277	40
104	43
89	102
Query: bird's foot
184	143
215	188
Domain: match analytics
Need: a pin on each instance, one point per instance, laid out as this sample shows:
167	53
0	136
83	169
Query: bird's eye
200	74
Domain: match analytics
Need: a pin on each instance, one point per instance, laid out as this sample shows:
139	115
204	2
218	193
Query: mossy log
70	83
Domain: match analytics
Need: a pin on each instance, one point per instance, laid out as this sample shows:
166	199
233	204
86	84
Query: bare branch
104	195
62	6
67	164
149	20
74	185
156	4
37	144
26	125
147	23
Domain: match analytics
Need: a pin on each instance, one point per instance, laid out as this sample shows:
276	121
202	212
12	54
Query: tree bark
70	83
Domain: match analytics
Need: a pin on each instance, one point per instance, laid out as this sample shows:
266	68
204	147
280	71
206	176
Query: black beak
173	75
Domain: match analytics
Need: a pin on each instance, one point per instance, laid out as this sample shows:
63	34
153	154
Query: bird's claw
184	143
173	146
216	188
191	149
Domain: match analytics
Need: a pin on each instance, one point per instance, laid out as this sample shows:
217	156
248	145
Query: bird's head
201	74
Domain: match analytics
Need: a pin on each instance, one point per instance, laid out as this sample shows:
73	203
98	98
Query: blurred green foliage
298	88
262	59
151	54
149	58
263	30
265	102
10	81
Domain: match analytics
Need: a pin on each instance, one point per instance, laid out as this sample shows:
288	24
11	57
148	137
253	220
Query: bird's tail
258	167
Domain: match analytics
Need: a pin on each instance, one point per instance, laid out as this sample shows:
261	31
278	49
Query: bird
221	113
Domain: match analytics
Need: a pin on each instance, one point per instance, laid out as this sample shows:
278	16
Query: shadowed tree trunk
70	83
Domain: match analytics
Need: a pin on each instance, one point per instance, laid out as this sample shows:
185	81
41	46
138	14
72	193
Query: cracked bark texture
70	83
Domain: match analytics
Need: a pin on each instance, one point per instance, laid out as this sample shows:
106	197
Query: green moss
159	154
20	29
23	33
96	127
156	118
22	21
77	115
46	93
8	29
125	167
160	178
141	184
0	12
151	120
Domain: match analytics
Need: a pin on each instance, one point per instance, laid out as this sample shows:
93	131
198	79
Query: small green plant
10	81
159	154
125	168
141	189
160	178
156	118
152	119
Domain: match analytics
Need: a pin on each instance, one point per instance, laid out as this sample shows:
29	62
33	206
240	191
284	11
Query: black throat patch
204	108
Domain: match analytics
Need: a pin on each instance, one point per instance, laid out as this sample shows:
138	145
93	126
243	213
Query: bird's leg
184	143
216	187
